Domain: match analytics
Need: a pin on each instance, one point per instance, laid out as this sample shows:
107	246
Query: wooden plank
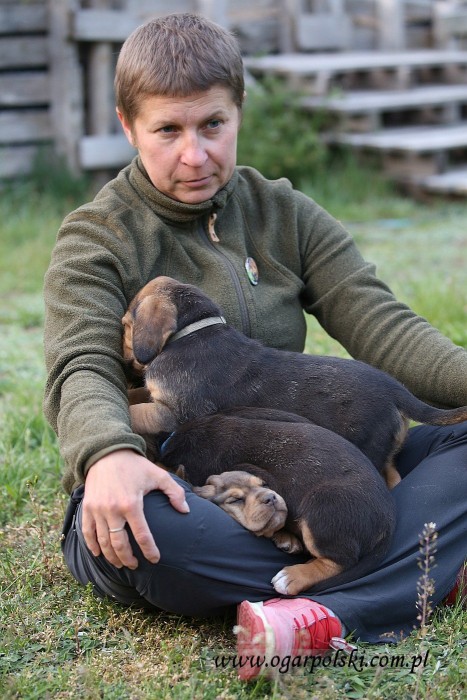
322	26
449	24
23	17
391	25
360	101
103	25
419	139
25	126
101	108
455	23
388	70
94	24
16	161
152	8
66	80
242	13
216	10
403	166
24	89
311	64
100	25
23	52
99	82
450	182
321	31
101	152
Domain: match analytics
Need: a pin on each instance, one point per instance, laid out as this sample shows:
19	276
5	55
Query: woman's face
188	145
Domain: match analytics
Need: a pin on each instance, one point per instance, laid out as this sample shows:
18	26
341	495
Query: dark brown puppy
212	367
338	504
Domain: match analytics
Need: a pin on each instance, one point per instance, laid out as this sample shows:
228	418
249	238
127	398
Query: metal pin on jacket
252	271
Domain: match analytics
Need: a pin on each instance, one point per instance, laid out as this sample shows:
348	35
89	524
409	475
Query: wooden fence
24	84
57	60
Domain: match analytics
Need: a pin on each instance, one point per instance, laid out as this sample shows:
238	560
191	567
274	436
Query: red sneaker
278	628
459	592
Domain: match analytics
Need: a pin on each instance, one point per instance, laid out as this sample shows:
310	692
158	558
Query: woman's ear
127	128
240	111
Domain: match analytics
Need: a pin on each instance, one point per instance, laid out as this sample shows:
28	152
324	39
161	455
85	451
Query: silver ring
117	529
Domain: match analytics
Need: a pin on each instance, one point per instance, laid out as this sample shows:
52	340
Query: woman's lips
201	182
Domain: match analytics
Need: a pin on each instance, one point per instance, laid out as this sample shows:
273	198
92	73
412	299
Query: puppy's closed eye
235	496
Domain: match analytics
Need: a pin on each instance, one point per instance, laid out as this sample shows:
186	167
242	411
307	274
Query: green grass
57	640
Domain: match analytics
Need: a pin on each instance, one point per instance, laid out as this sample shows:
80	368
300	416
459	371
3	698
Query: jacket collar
170	209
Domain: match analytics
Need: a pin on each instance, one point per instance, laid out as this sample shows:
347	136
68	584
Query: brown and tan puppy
194	364
338	505
250	503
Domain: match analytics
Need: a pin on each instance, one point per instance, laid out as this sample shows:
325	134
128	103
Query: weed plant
277	137
57	639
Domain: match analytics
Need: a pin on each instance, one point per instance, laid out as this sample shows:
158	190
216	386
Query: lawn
57	640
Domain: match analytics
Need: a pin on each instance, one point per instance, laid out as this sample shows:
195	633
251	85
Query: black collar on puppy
192	327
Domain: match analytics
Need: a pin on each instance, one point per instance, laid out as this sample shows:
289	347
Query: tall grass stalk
426	585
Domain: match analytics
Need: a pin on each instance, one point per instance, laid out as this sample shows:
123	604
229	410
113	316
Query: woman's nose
193	154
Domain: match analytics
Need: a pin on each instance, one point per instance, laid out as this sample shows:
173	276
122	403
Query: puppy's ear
207	491
211	489
154	321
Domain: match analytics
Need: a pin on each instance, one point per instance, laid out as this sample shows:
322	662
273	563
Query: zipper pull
212	234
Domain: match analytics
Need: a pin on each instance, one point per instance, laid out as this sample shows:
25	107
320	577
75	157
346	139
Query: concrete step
370	110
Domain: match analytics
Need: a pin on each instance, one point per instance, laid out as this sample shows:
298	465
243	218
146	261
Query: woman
182	208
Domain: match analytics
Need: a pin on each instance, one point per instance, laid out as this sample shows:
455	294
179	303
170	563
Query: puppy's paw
281	581
287	542
292	580
289	581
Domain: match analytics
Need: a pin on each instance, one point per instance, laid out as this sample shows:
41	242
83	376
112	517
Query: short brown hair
176	56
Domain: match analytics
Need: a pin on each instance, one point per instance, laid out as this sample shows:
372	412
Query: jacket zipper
209	237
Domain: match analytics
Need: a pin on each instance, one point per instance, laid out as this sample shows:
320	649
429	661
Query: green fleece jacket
109	248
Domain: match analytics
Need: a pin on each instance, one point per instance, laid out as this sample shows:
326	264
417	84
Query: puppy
338	505
194	364
249	502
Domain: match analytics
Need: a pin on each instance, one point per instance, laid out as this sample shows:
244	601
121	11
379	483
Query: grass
58	640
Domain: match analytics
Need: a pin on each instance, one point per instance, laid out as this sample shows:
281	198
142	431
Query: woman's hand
115	486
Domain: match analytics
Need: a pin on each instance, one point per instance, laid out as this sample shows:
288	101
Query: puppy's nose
269	499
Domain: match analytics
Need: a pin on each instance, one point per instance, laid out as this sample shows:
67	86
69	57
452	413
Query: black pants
209	563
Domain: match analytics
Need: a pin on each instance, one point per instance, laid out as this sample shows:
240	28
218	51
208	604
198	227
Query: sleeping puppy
249	502
338	505
194	364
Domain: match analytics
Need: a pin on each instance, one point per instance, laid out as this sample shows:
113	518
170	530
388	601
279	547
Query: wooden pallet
411	152
367	94
449	183
319	73
417	139
369	110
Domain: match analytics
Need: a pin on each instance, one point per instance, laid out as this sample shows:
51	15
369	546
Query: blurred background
385	78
